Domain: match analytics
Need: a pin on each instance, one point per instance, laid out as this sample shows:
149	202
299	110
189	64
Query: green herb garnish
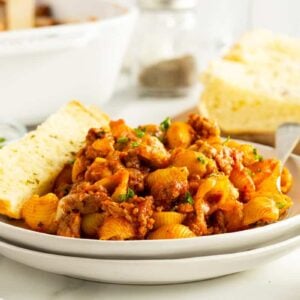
165	124
2	141
122	140
201	159
257	156
280	205
227	140
250	173
188	198
28	181
139	132
129	194
135	144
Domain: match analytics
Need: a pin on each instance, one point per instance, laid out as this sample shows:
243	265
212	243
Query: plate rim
282	243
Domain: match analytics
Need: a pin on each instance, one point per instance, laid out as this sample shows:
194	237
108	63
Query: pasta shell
90	223
171	231
167	217
121	189
286	180
265	174
117	182
196	162
250	155
179	134
242	181
116	228
104	146
78	167
283	202
216	192
262	209
168	184
39	213
152	150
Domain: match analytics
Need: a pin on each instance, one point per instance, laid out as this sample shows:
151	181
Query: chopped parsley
250	173
165	124
139	132
280	205
2	141
135	144
188	198
227	140
129	194
201	159
257	156
122	140
28	181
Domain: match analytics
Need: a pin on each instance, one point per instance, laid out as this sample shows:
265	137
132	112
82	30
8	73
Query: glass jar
166	47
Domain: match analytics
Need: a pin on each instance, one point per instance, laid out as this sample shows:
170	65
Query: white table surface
277	280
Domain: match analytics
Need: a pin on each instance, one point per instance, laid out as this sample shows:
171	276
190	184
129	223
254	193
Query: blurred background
214	26
277	15
124	55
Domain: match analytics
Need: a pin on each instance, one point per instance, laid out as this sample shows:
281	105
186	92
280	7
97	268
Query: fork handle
287	138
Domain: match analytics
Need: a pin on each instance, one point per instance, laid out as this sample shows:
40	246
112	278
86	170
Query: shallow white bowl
206	245
159	271
45	67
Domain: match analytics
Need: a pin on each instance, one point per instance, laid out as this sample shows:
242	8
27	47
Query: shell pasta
166	181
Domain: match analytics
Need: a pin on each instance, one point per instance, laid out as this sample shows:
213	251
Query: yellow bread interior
260	46
30	165
256	87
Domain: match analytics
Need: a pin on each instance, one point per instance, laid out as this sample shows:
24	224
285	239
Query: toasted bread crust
30	165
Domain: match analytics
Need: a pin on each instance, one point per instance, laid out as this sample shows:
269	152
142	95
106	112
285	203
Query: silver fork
286	139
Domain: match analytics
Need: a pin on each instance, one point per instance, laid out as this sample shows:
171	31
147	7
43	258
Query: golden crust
30	165
5	209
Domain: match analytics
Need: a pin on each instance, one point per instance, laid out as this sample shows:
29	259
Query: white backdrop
278	15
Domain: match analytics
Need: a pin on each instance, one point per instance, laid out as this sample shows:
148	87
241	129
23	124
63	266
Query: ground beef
204	127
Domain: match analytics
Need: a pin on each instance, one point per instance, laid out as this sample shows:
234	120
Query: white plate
159	271
206	245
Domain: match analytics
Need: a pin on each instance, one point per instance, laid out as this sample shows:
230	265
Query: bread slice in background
30	165
261	46
255	87
19	14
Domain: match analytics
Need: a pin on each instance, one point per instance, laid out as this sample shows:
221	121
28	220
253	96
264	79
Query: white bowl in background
45	67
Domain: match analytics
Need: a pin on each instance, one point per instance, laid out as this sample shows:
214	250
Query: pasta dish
172	180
